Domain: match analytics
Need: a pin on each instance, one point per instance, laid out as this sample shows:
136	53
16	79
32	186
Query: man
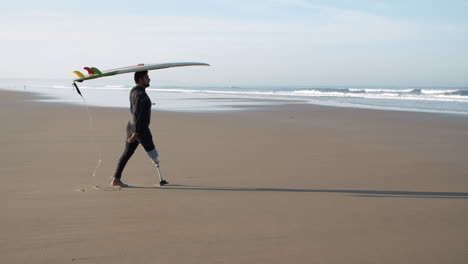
138	131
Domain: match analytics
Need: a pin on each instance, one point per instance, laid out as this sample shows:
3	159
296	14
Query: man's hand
133	138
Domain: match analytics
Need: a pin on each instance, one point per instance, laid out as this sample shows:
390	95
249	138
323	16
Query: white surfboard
94	73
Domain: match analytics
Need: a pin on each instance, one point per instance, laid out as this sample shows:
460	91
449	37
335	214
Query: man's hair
139	75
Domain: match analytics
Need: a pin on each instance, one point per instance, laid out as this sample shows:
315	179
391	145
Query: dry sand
294	184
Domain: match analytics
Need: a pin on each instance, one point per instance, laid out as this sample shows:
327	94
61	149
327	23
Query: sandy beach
283	184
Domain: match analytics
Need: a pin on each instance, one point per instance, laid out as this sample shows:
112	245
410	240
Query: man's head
142	79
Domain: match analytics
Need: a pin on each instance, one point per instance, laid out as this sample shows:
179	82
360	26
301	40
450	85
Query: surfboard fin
89	70
96	70
79	74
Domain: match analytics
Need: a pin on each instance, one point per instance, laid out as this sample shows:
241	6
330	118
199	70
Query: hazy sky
257	42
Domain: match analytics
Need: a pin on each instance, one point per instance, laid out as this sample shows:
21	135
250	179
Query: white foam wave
438	91
382	90
315	93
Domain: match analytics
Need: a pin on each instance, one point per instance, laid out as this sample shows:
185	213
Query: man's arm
139	105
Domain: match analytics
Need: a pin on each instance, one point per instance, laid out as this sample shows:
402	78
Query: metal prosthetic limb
159	173
153	154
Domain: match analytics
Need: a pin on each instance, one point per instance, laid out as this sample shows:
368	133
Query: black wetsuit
140	107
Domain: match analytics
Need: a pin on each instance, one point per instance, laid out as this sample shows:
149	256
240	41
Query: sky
253	42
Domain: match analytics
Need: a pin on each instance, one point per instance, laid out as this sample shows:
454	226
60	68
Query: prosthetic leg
154	156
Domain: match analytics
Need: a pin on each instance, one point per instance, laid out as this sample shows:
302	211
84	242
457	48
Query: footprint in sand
101	187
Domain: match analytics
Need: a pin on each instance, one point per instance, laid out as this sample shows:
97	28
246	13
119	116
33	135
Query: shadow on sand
355	193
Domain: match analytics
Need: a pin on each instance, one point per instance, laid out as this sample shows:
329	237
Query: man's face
145	81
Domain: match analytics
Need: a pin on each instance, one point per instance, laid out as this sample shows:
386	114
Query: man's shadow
356	193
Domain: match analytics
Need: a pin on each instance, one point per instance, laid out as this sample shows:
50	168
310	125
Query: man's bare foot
119	183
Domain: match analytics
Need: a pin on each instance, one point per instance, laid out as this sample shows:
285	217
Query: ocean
109	92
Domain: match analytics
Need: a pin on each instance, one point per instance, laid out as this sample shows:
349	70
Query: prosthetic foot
163	182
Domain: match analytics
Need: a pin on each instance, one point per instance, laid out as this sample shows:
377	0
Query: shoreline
219	101
269	104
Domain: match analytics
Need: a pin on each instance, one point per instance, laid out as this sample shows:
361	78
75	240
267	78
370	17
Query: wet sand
289	184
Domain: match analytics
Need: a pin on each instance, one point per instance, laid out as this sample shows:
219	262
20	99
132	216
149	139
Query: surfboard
94	73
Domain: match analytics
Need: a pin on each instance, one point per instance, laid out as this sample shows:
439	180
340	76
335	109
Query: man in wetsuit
138	131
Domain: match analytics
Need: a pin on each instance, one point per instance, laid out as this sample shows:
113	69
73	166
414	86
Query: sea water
167	96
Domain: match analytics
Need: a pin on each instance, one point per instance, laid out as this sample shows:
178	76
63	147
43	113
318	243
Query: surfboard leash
78	90
91	127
